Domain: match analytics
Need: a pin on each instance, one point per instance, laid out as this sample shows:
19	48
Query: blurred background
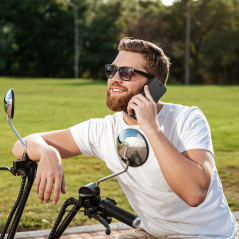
76	38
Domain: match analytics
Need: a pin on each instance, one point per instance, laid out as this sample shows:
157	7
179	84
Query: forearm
49	148
35	145
187	178
60	141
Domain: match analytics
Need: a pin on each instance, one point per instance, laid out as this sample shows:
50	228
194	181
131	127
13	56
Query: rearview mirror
133	150
8	102
132	147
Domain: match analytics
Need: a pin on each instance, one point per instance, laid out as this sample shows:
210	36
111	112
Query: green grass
50	104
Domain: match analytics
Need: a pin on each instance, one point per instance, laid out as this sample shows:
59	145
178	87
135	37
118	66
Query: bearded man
177	193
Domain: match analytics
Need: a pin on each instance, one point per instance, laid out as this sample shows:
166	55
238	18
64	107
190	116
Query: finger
131	106
136	101
57	190
147	93
37	183
129	109
48	190
63	185
42	187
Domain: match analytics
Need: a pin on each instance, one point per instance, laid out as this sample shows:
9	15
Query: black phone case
156	89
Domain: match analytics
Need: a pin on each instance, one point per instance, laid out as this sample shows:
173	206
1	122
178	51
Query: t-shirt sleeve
85	135
195	132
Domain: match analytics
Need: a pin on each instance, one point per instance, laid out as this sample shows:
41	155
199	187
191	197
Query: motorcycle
132	149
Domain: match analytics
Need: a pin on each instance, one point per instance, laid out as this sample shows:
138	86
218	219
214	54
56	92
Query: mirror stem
19	137
115	174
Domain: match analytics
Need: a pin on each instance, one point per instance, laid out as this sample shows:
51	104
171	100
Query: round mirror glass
8	103
132	147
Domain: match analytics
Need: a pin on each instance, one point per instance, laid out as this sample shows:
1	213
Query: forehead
130	59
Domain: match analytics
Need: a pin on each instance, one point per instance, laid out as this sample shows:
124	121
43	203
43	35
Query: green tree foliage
145	20
220	50
100	36
214	38
37	37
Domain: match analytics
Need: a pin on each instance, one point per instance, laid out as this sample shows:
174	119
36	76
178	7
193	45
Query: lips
117	89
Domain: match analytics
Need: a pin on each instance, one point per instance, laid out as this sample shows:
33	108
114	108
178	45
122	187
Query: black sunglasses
125	73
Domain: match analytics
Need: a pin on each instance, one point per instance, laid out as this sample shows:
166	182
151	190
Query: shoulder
175	117
180	112
187	127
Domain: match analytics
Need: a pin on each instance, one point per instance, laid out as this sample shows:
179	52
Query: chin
115	107
116	104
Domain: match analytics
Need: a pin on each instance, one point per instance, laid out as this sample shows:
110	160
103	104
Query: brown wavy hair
157	62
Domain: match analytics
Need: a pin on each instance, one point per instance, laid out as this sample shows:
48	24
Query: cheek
138	86
109	83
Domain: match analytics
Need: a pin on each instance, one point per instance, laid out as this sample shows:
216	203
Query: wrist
48	149
50	152
151	128
153	132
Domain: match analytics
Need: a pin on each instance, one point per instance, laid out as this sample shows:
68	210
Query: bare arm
61	140
189	173
48	149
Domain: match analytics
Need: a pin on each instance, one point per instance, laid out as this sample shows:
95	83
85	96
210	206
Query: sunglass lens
110	71
125	73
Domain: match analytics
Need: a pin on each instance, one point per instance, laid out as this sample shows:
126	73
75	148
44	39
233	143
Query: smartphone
156	89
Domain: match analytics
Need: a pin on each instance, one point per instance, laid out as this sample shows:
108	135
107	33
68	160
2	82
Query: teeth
116	90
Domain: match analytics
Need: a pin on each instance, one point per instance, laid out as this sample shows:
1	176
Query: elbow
18	149
199	193
197	199
15	150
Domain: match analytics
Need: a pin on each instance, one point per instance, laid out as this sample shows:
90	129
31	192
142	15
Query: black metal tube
27	189
5	168
14	208
69	217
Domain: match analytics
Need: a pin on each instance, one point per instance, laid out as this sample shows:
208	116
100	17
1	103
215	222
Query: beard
119	103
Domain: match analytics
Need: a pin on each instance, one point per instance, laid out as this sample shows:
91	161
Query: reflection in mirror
132	147
9	103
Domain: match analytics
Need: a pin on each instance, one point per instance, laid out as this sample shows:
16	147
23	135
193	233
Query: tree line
37	36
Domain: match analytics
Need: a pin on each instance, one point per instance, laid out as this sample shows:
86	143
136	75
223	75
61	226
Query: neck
131	121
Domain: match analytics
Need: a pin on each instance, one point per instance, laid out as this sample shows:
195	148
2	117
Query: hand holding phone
156	89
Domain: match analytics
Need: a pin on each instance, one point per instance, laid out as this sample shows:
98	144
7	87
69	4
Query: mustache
119	86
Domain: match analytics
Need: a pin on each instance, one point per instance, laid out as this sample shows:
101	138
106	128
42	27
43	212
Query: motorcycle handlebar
108	207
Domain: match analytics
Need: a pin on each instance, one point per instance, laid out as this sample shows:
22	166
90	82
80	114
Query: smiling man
177	193
118	94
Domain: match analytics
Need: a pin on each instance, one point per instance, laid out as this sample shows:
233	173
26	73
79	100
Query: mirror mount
19	137
9	102
114	174
133	150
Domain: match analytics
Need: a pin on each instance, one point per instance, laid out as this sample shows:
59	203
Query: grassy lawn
50	104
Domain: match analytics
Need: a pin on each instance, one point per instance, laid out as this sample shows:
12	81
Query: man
177	193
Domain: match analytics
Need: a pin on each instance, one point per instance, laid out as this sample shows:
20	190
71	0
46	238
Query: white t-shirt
161	211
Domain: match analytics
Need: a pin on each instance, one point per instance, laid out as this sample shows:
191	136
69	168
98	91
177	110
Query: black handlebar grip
108	206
